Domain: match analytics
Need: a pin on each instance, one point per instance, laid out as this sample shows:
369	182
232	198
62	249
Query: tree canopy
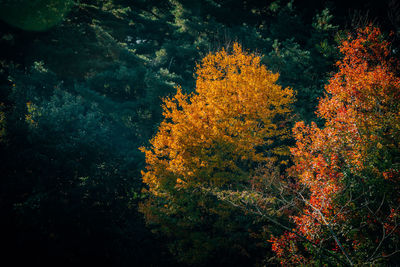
210	91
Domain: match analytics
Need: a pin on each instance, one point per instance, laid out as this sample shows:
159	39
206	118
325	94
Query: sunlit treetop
214	135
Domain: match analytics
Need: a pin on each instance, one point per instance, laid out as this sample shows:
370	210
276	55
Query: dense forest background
81	88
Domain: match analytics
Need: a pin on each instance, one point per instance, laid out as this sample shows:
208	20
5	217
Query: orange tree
348	171
215	137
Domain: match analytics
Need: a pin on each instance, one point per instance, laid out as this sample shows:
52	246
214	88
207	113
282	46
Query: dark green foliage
303	55
34	15
201	228
70	179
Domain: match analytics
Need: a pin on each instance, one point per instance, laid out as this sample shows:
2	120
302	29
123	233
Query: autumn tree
213	137
347	171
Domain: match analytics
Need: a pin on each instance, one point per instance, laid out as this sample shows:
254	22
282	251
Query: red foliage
361	114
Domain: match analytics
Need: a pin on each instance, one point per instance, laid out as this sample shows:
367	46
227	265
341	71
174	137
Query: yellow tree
215	137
